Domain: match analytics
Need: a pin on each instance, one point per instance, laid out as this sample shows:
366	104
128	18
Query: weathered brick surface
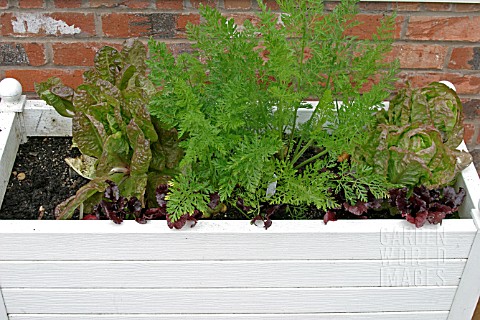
238	4
28	78
467	58
369	24
124	25
58	24
31	4
169	4
466	7
135	4
469	132
420	56
22	54
67	3
77	54
438	6
42	38
442	28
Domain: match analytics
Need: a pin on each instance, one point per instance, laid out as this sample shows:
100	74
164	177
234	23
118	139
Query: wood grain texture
231	274
200	301
10	137
428	315
43	120
235	240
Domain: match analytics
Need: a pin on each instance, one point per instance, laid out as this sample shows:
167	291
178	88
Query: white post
3	309
11	130
11	95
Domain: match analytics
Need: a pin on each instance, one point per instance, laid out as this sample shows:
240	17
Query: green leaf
107	63
115	156
134	186
57	95
66	209
88	134
142	154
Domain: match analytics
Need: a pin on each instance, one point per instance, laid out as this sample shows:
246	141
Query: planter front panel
373	269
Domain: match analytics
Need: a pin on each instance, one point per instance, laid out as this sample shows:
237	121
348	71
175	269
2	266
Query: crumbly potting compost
40	179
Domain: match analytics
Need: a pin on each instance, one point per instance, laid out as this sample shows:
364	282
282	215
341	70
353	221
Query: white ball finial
449	84
10	90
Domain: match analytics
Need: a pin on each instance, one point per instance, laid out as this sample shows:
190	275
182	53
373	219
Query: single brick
469	131
467	58
127	25
238	4
419	56
3	4
438	6
18	54
466	7
369	24
77	54
31	4
271	4
68	3
28	78
444	28
196	3
135	4
373	6
471	109
169	4
406	6
240	18
464	83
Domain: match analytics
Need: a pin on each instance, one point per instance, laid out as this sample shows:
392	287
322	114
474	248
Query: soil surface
40	179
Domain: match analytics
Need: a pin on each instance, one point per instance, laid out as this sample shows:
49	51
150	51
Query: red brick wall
42	38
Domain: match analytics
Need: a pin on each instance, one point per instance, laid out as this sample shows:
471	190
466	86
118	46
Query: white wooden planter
300	270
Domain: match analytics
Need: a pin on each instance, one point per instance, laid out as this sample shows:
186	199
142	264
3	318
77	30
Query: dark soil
40	179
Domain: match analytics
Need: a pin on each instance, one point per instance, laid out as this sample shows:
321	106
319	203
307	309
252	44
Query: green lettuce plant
415	141
113	130
234	102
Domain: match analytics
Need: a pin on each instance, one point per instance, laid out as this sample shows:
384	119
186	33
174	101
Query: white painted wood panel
234	240
43	120
199	301
10	137
231	274
428	315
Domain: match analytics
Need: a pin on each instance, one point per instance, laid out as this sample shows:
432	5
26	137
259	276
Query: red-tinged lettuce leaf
158	157
142	154
426	205
134	53
66	209
107	63
135	186
124	76
115	156
57	95
214	200
358	209
329	216
446	112
91	217
88	134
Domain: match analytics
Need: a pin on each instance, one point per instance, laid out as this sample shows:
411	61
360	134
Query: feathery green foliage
235	99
